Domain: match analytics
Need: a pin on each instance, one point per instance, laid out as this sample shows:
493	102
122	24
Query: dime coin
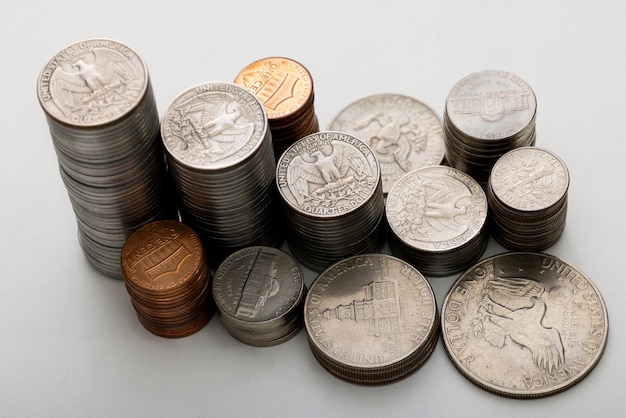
371	319
404	133
524	325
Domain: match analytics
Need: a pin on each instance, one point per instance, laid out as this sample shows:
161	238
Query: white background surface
71	343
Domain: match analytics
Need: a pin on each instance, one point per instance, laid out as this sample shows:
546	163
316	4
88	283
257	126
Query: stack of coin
167	278
524	325
527	193
371	319
259	293
220	152
487	114
404	133
437	219
332	198
102	115
285	88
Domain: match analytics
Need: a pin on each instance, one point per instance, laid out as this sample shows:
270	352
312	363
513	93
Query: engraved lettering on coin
327	170
404	133
213	125
524	325
433	205
92	82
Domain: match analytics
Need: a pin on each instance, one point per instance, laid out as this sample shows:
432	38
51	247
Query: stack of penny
332	198
437	220
487	114
259	293
100	108
404	133
371	319
220	154
167	278
527	194
285	88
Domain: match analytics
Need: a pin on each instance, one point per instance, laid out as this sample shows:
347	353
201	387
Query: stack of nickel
487	114
285	88
527	194
167	278
332	198
371	319
259	294
437	220
524	325
103	120
404	133
220	152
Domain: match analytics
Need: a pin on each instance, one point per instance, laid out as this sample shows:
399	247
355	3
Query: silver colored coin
371	319
437	219
524	325
403	132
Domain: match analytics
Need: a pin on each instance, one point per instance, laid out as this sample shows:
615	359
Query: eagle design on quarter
512	309
93	83
327	174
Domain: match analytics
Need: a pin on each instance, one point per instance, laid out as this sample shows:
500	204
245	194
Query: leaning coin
524	325
404	133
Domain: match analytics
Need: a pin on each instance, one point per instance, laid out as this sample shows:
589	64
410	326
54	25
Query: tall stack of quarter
219	148
437	220
259	294
527	193
102	115
487	114
285	88
404	133
371	319
332	198
524	325
167	278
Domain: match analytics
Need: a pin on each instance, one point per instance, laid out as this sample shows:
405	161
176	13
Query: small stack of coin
219	148
259	292
285	88
167	278
527	194
371	319
332	198
404	133
487	114
437	220
103	120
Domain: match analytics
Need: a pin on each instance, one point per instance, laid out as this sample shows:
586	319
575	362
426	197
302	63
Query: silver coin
524	325
404	133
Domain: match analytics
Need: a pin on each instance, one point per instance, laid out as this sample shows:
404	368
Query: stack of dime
259	292
487	114
167	278
371	319
102	115
527	193
219	148
524	325
404	133
437	220
332	198
285	88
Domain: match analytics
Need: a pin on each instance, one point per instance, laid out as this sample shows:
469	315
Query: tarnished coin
403	132
524	325
371	319
437	218
329	184
259	293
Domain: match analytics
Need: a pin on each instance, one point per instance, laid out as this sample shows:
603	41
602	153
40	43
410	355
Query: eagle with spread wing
91	77
512	308
321	168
